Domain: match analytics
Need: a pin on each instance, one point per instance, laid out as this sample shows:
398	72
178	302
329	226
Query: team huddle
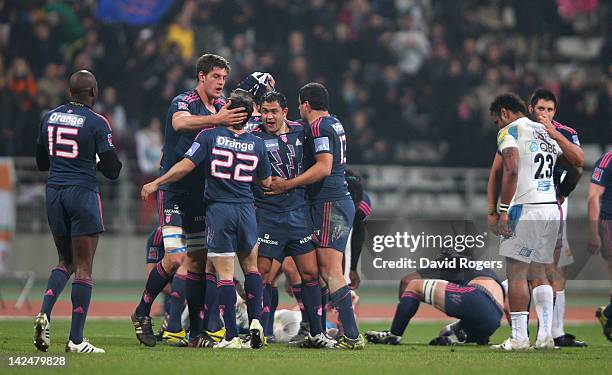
240	181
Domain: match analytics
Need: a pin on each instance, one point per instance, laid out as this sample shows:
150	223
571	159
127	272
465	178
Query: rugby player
233	161
283	219
181	206
474	296
542	108
332	211
70	137
528	155
600	240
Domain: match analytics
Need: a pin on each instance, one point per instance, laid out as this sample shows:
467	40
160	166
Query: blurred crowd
410	79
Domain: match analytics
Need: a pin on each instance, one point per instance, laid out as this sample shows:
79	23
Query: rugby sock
342	301
177	303
558	314
56	283
311	292
265	313
253	287
212	321
324	300
227	305
543	299
406	308
167	301
297	293
273	306
157	280
81	296
519	325
195	291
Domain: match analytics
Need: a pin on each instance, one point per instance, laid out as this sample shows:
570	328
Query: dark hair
316	95
543	94
238	99
509	101
274	96
208	61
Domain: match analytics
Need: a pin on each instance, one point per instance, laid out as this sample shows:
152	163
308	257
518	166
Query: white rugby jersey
538	155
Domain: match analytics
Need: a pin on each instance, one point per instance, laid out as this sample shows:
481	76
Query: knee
310	275
172	262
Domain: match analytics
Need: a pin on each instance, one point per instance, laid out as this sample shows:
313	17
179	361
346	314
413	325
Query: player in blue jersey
542	108
181	207
70	137
332	211
283	220
476	297
233	161
600	217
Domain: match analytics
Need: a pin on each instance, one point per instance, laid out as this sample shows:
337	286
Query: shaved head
83	87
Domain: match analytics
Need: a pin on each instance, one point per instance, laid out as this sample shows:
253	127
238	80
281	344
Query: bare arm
593	202
509	179
178	171
494	184
184	121
318	171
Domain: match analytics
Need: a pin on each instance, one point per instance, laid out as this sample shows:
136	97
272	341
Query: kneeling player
477	300
232	158
283	223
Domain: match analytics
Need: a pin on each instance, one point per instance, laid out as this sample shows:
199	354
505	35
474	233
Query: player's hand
277	186
492	223
594	244
561	199
230	117
355	280
503	225
148	189
550	128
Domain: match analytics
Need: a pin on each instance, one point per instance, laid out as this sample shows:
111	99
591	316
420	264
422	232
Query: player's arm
493	190
184	121
571	178
596	189
510	158
42	158
318	171
572	152
593	199
357	239
264	169
109	164
178	171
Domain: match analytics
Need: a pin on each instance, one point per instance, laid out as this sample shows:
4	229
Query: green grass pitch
124	356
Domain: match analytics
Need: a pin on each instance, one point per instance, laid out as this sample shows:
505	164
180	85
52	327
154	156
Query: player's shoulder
187	97
208	132
326	125
99	119
605	161
564	128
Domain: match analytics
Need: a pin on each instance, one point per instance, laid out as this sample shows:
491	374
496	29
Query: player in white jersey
528	217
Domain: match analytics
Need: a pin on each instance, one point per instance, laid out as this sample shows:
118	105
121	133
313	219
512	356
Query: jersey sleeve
601	172
323	139
507	137
179	104
571	136
199	149
103	135
264	170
